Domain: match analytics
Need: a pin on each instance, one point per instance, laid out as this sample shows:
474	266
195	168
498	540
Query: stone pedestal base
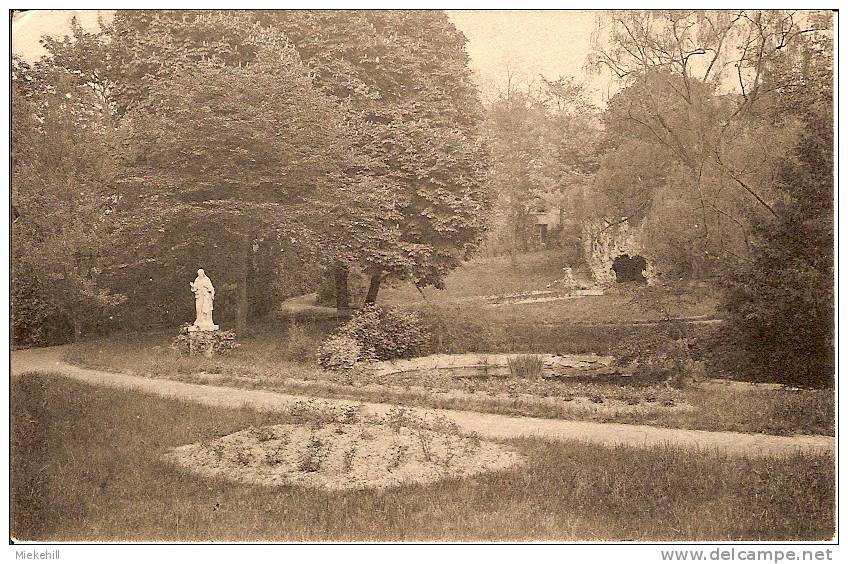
208	342
195	329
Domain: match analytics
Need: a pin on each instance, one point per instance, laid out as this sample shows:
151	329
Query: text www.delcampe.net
744	554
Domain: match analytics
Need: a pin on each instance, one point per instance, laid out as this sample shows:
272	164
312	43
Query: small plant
299	344
451	445
218	450
426	441
313	456
398	455
242	458
483	363
365	433
262	434
526	366
350	414
595	397
397	418
275	456
347	459
632	399
472	444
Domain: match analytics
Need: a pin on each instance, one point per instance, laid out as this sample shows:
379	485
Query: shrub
206	342
525	366
780	302
378	334
661	354
387	333
340	352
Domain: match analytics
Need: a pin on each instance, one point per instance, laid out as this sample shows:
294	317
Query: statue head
201	273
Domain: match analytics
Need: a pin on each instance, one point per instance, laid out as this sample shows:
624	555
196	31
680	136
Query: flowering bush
206	342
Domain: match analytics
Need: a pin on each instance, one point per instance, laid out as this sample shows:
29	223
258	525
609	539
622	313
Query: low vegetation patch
342	456
264	361
525	366
86	465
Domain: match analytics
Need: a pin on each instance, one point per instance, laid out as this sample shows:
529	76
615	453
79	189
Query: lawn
487	277
86	466
472	285
282	358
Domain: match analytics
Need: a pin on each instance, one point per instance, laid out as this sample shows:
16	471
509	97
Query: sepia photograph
423	276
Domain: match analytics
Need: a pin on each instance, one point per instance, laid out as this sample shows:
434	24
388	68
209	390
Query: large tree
230	157
255	151
403	78
544	139
780	300
695	85
403	82
62	168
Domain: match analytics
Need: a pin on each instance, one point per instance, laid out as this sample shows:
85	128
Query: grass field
472	283
86	466
280	354
487	277
282	359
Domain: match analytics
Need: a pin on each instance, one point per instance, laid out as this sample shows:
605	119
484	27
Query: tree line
272	148
717	146
280	148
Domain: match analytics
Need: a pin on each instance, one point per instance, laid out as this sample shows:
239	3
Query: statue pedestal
208	342
196	328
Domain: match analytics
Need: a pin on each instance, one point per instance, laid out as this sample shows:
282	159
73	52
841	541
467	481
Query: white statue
204	295
568	278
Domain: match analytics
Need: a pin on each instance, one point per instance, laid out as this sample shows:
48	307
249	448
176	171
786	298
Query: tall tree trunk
242	303
340	272
373	288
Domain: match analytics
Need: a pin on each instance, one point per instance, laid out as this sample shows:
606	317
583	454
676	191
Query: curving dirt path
487	425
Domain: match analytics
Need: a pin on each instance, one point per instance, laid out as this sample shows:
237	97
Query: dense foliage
265	146
62	167
780	302
545	146
375	333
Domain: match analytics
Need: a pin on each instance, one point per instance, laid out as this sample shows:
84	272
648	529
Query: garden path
494	426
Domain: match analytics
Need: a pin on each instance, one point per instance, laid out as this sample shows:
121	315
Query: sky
526	43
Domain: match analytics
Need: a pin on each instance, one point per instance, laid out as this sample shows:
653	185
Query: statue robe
204	295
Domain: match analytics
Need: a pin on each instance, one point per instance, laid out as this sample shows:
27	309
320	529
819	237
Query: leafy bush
35	322
387	333
340	352
780	303
206	342
661	354
379	334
